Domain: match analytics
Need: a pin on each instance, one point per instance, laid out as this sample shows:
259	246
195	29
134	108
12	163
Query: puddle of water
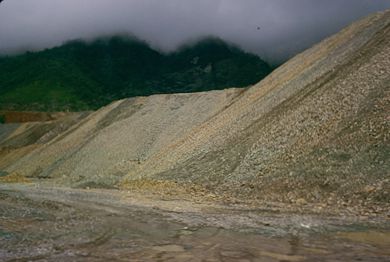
5	234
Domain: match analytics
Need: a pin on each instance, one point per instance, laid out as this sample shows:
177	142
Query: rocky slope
316	130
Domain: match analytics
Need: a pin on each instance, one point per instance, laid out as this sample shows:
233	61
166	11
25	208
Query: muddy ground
43	223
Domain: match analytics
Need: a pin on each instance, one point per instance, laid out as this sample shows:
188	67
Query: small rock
301	201
369	189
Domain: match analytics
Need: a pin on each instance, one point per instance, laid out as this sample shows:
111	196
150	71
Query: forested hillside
81	76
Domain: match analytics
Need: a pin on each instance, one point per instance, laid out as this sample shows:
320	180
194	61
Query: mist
275	30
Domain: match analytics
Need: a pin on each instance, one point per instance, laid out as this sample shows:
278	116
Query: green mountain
82	76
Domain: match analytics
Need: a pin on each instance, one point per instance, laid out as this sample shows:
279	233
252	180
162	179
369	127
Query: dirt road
41	223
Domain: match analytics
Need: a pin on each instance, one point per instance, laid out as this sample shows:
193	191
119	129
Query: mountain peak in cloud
287	27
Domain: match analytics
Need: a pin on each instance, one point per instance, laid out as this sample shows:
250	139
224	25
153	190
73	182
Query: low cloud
273	29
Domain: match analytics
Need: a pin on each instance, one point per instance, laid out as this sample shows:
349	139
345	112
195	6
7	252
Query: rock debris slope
316	128
105	145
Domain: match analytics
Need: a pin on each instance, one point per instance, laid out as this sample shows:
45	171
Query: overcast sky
286	26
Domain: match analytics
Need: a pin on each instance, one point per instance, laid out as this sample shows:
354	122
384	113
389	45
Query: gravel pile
316	131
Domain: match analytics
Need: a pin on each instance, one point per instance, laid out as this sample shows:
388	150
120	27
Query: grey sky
286	26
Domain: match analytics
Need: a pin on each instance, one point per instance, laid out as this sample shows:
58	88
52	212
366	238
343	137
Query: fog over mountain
273	29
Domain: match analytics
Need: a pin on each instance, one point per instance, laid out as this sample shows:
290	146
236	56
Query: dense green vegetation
81	76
